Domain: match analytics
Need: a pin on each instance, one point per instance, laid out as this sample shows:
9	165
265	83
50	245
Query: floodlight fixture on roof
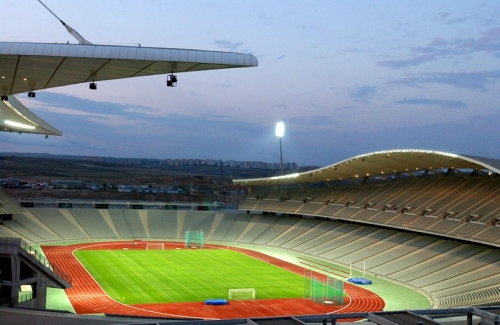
171	80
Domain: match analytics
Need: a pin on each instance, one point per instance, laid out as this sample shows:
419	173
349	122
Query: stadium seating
121	223
31	229
429	205
61	222
300	227
274	230
256	227
237	227
342	224
162	224
95	222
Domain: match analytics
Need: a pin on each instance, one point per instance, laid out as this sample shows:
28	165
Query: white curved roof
27	67
15	117
32	66
380	163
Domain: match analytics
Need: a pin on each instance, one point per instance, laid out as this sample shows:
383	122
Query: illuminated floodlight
19	125
280	132
294	175
280	129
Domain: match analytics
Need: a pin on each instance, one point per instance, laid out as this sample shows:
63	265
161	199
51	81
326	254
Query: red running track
87	297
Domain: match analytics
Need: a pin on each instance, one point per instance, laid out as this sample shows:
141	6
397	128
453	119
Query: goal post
155	247
241	294
194	238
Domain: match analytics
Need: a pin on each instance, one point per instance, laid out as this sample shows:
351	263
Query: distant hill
109	169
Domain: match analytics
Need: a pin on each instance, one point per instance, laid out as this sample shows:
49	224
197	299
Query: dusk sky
346	78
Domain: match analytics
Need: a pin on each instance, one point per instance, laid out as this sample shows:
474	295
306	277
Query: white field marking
249	307
255	258
99	284
333	312
264	306
206	246
133	307
344	307
166	294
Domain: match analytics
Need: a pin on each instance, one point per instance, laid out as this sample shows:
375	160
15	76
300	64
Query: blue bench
216	302
359	281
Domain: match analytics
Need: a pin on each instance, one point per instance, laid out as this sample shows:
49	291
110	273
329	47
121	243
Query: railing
8	301
36	255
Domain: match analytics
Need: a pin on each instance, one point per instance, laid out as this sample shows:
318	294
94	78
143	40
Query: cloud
282	106
445	18
396	64
222	85
143	110
470	80
73	115
487	41
85	142
314	105
312	120
211	116
443	103
363	93
112	120
228	45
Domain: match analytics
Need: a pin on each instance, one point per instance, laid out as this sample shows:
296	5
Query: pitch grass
162	276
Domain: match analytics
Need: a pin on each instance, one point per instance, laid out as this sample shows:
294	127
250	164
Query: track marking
86	297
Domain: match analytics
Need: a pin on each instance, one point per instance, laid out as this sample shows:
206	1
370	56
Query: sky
346	78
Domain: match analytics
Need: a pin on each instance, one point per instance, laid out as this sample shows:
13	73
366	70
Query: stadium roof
380	164
26	67
32	66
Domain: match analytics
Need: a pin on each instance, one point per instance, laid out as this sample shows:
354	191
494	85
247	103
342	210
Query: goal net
241	294
194	238
155	247
327	290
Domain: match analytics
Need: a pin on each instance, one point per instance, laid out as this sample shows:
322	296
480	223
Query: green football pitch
162	276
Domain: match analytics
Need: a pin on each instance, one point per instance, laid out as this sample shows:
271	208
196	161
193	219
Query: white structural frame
231	292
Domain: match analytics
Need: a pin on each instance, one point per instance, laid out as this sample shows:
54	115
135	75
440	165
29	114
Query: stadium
404	236
421	225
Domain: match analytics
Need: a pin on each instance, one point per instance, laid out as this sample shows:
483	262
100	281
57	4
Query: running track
87	297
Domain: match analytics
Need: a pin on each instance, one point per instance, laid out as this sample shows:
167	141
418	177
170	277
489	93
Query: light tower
280	132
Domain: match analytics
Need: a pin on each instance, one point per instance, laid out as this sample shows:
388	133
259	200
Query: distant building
10	183
67	184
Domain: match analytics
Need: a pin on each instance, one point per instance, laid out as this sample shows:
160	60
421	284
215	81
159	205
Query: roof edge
305	177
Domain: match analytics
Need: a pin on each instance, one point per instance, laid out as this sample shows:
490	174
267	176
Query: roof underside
33	66
381	164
